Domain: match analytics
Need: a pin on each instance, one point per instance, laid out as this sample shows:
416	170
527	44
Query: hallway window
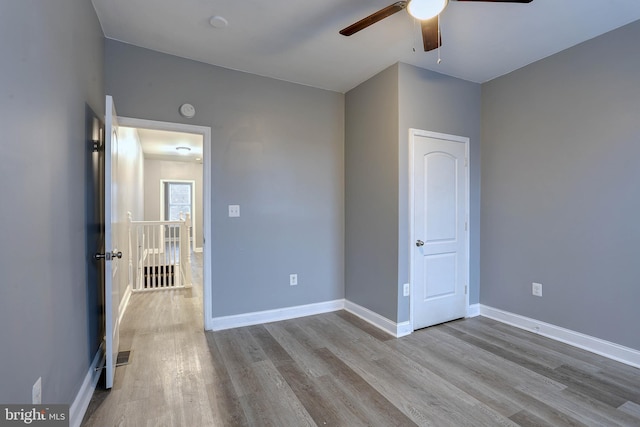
177	200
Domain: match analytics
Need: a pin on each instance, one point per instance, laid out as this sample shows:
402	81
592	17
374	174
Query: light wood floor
336	370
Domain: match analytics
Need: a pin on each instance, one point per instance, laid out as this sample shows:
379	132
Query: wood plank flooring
335	369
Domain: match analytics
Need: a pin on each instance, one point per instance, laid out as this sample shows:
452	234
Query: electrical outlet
234	211
36	392
293	279
405	290
536	289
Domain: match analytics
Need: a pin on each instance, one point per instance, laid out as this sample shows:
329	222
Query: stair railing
162	254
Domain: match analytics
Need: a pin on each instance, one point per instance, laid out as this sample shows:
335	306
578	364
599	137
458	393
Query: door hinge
465	289
466	161
466	225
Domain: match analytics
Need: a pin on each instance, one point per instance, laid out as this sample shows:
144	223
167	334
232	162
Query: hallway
165	382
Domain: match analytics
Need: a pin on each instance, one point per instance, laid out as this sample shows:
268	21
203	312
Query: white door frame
193	205
205	131
446	137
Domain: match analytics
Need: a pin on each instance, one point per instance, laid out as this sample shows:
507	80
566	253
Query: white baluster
185	250
129	226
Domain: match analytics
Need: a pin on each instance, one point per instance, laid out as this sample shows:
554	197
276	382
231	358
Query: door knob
108	255
419	243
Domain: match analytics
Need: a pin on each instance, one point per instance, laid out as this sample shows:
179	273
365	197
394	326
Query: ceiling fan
426	11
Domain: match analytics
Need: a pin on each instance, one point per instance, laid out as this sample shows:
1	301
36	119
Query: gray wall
371	193
154	171
560	188
52	65
438	103
379	113
278	152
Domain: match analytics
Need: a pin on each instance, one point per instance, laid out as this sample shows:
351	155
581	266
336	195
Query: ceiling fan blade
374	17
430	35
502	1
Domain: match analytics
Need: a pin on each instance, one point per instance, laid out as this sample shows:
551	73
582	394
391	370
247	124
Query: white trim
452	138
473	310
207	239
207	185
83	398
404	328
604	348
258	317
395	329
247	319
124	303
133	122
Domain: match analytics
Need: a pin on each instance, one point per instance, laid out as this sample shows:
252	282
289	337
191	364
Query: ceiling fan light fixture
426	9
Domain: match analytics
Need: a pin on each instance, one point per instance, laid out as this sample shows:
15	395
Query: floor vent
123	358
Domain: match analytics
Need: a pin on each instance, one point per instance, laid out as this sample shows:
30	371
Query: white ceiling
161	145
298	41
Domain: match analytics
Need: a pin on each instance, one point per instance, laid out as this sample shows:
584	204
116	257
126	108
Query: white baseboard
208	323
395	329
124	303
604	348
404	328
83	398
258	317
473	310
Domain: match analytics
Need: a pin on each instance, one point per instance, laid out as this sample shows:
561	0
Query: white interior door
112	253
439	260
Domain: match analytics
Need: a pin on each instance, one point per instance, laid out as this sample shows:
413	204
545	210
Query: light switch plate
234	211
536	289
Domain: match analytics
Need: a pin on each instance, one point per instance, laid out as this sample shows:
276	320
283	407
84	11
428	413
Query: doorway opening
177	158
